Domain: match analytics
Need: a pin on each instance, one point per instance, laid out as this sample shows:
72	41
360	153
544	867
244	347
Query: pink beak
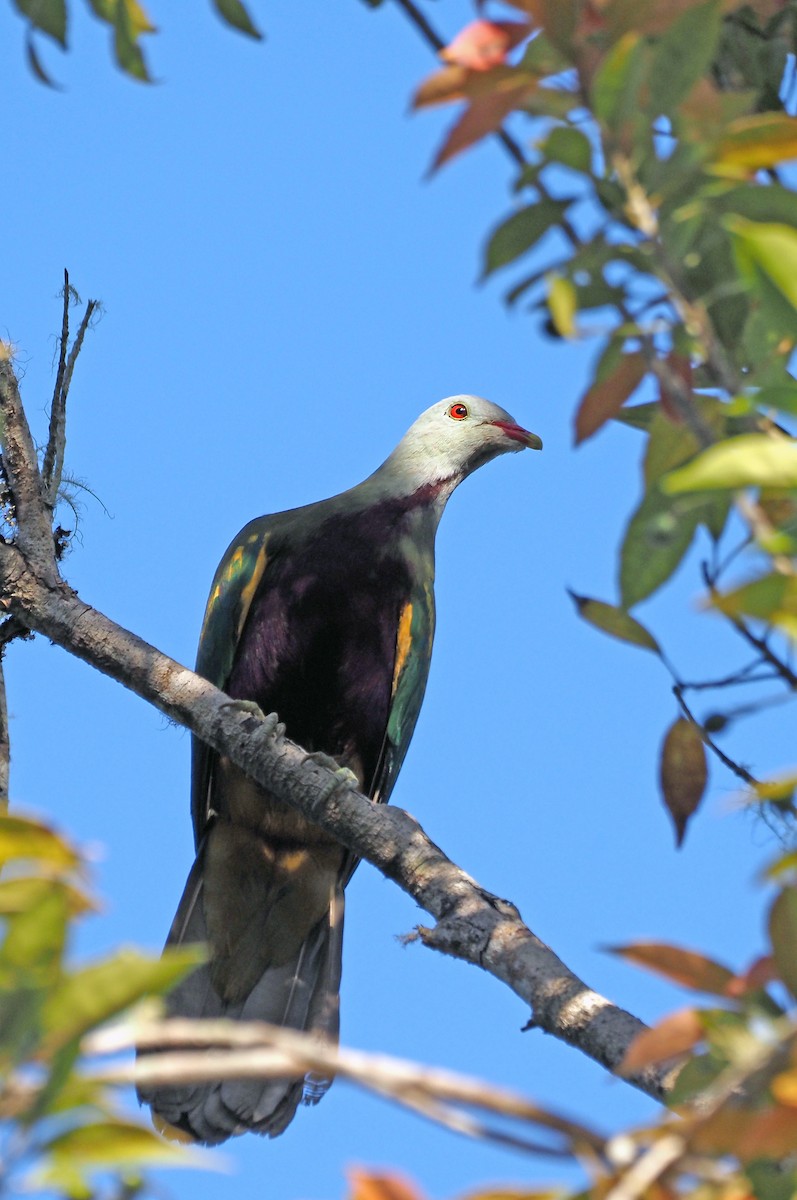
519	434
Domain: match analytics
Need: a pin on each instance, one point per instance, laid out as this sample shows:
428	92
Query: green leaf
87	997
682	55
750	460
657	537
234	13
128	53
106	10
772	247
563	305
35	938
47	15
639	416
36	66
614	621
112	1144
520	232
569	147
17	895
615	89
769	203
771	598
783	935
783	398
25	838
669	445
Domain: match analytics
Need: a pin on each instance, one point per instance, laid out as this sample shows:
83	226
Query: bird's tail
299	993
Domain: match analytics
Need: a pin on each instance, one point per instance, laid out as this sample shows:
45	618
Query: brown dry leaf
687	967
442	87
770	1134
604	400
683	773
386	1185
484	115
485	44
674	1035
681	368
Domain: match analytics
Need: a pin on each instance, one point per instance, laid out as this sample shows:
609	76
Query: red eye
458	412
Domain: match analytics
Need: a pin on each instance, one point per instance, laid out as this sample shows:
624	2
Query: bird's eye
458	412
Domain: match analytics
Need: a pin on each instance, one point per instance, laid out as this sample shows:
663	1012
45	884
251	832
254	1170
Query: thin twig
782	669
739	771
57	434
53	466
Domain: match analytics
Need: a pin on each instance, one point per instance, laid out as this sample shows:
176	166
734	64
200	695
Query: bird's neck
407	477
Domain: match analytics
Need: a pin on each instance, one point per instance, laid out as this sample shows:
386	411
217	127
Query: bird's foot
343	775
250	708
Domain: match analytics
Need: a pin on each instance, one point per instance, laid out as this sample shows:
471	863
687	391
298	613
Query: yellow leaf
762	140
750	460
563	305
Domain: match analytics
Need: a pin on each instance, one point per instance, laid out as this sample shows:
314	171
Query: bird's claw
251	708
343	775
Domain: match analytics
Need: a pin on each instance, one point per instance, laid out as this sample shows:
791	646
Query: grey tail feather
300	994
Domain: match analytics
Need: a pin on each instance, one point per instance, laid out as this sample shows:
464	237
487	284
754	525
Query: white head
448	441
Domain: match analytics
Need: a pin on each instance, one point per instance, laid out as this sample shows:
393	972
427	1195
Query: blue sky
283	294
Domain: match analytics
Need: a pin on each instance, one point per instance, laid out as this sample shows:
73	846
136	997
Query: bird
325	615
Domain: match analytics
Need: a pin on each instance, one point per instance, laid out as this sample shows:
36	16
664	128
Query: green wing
414	638
238	577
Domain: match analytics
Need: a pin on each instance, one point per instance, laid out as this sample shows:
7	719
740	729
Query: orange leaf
683	773
757	976
604	400
485	44
673	1035
366	1185
784	1088
687	967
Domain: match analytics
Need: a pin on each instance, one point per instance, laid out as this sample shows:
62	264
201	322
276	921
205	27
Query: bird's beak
519	434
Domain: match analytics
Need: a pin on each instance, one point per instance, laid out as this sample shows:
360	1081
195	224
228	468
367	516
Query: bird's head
451	439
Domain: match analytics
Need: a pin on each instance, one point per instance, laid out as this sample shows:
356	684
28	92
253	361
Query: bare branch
203	1050
53	465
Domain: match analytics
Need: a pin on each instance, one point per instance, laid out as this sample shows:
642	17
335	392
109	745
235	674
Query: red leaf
673	1035
681	367
757	976
687	967
604	400
485	44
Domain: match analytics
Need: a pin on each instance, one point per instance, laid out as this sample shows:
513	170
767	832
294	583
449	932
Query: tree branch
471	924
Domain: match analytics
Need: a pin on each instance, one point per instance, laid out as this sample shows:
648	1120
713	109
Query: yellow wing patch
248	592
403	643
